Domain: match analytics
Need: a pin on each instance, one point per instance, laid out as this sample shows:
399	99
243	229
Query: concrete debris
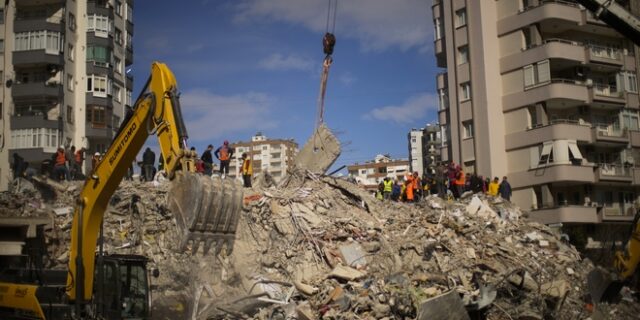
320	151
323	248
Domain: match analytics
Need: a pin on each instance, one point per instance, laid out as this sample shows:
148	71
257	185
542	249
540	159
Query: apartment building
274	156
424	149
64	79
371	173
544	93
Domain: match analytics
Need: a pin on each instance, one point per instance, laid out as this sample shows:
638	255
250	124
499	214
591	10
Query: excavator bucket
207	210
602	286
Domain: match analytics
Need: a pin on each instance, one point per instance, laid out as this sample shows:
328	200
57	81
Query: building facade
371	173
274	156
544	93
424	149
64	79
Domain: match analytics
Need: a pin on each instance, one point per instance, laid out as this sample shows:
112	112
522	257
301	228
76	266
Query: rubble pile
322	248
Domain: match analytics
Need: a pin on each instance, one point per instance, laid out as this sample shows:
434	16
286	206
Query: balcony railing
543	2
605	52
607	130
606	90
613	170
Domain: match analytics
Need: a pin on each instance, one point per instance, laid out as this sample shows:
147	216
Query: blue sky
253	65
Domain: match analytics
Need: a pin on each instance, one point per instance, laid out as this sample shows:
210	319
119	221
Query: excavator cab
121	289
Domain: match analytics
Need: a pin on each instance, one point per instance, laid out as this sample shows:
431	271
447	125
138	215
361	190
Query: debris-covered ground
321	248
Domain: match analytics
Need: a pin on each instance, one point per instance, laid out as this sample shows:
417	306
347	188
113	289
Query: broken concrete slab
346	273
320	151
353	254
447	306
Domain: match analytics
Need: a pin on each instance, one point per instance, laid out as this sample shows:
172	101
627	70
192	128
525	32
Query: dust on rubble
322	248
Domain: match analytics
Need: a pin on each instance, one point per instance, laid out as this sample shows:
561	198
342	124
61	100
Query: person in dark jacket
148	164
18	165
207	158
505	189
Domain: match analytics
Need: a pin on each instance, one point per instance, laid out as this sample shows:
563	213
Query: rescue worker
459	183
95	160
69	155
78	159
207	158
388	188
493	187
60	170
148	163
396	190
417	186
409	187
18	165
224	154
247	170
505	189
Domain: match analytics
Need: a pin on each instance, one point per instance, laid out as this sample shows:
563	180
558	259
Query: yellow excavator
100	286
605	285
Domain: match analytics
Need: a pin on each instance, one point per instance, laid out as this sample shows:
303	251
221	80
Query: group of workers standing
204	164
449	181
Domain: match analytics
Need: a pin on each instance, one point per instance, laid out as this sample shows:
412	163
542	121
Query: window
37	40
537	73
575	156
101	56
34	138
627	81
363	171
129	44
546	155
630	119
97	85
526	37
117	35
72	22
1	45
129	13
467	129
115	123
96	115
439	29
465	91
463	54
128	99
443	99
461	17
1	15
116	93
100	25
118	8
118	65
70	52
70	83
69	114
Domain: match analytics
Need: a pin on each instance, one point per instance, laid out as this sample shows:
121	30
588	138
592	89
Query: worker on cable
247	170
224	154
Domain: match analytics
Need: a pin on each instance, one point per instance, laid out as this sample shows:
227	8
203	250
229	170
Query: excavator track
207	210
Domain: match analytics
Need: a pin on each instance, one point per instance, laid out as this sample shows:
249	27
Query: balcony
27	122
607	172
606	93
556	129
99	130
33	58
617	212
553	173
128	58
43	23
26	91
605	55
29	3
607	134
635	138
561	11
441	52
557	88
566	214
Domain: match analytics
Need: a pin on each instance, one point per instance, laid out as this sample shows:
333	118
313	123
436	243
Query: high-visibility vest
460	181
247	168
78	156
224	153
388	185
60	159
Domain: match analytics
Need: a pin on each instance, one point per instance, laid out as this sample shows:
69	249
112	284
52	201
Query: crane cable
328	42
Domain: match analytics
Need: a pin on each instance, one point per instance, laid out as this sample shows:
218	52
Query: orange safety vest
224	153
460	181
78	156
60	159
410	185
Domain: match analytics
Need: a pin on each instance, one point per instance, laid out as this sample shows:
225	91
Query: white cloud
280	62
209	115
346	78
414	108
376	24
